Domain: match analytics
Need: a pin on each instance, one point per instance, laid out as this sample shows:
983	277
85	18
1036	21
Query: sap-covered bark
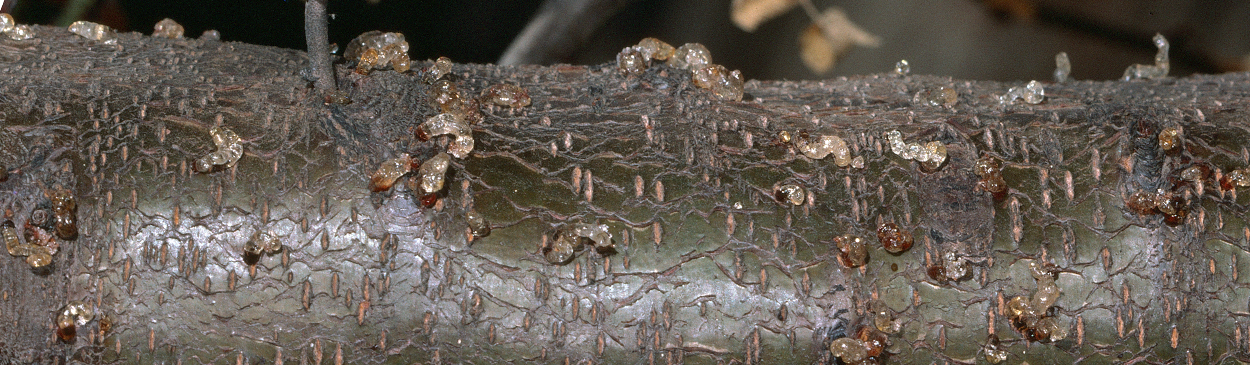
708	266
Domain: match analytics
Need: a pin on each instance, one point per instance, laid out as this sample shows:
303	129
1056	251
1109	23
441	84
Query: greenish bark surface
709	267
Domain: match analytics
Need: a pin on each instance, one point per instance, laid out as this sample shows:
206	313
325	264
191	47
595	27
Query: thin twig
315	31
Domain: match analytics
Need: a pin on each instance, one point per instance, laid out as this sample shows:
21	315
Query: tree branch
709	265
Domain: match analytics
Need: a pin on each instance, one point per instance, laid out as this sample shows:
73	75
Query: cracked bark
709	267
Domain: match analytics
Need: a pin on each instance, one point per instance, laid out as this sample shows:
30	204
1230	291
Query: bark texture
709	266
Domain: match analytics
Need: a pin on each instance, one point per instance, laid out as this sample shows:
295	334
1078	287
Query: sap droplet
478	226
1174	208
915	151
12	242
39	257
436	71
902	68
850	350
445	95
507	95
724	84
937	155
630	61
690	56
229	150
993	354
894	239
930	155
596	233
453	124
66	328
1046	295
857	162
70	317
1032	93
874	342
852	251
895	138
389	172
6	22
266	242
39	239
817	147
211	35
1142	202
1051	326
1193	173
566	242
655	49
167	28
432	173
883	317
954	266
1158	70
21	32
1062	67
251	253
375	50
262	243
81	313
987	166
1042	271
561	248
1019	306
990	171
429	200
791	193
942	96
93	31
1169	138
65	211
1238	177
1033	318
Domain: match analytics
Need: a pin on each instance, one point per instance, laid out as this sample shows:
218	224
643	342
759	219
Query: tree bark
709	267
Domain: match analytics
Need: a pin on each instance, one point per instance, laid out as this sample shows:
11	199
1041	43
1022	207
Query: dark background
992	39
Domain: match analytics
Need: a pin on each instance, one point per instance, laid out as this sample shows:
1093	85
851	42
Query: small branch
559	28
315	31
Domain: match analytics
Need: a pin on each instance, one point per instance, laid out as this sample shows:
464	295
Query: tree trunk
709	266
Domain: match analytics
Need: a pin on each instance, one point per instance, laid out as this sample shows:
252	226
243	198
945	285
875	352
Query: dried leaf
829	38
817	53
749	14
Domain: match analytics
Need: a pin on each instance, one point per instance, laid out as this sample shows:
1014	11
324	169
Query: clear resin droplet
6	22
432	172
1062	67
167	28
1158	70
902	68
21	32
93	31
690	56
375	50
